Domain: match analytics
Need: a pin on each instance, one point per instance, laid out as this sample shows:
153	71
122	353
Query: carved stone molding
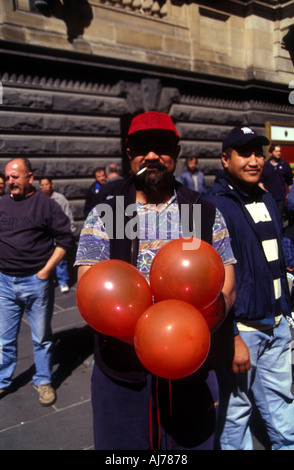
210	102
51	83
145	7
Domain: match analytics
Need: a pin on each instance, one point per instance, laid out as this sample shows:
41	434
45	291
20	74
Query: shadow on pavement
71	349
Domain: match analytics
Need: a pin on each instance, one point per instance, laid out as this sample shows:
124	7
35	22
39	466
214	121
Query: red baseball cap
152	120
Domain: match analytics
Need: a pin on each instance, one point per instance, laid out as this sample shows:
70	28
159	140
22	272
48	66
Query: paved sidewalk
66	425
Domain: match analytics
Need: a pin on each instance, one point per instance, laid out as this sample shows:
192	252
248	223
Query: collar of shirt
157	207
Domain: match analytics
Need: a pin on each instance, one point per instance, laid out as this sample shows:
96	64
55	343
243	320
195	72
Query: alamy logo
1	93
291	96
137	226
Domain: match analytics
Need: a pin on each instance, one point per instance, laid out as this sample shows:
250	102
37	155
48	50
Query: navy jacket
254	284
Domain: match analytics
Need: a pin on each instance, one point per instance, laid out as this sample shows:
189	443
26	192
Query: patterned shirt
156	226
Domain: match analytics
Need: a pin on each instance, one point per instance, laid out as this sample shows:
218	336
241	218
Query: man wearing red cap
122	389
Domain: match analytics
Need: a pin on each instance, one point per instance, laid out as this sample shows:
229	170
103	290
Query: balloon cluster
169	319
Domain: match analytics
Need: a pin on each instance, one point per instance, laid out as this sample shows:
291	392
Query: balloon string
150	423
170	412
158	416
158	413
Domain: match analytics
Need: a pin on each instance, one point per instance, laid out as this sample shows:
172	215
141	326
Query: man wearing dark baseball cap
261	366
122	389
240	136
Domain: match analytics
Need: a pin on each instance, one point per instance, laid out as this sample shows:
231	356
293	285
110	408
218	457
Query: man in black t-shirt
276	176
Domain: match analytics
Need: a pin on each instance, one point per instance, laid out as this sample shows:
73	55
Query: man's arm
52	262
81	271
229	290
289	175
241	361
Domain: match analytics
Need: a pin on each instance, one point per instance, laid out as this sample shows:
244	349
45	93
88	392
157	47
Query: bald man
34	236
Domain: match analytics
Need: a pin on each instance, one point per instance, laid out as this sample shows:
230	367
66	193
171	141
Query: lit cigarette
141	171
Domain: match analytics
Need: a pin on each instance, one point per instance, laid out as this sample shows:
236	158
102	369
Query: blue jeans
62	272
35	297
269	380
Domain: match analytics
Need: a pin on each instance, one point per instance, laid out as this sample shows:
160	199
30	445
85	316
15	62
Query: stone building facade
72	76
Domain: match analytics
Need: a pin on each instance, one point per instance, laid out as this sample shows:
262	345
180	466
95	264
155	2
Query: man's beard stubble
155	183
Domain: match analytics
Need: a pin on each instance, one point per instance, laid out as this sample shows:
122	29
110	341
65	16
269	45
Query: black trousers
159	414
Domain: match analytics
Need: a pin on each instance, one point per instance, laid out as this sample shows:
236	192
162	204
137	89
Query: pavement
67	424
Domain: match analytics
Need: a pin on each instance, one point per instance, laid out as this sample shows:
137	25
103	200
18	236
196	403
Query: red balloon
111	296
215	313
193	275
172	339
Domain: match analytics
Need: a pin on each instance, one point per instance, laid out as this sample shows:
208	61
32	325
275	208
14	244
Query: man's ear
30	177
128	151
224	159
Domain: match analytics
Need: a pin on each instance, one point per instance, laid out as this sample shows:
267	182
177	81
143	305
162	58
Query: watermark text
155	224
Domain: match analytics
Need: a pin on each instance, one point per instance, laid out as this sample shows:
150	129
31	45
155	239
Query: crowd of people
246	218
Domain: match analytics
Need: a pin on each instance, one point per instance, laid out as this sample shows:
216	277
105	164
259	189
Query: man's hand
57	255
241	361
44	273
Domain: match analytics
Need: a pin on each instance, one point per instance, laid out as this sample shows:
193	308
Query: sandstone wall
68	101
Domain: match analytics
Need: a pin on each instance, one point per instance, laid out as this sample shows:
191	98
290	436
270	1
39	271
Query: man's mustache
153	166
